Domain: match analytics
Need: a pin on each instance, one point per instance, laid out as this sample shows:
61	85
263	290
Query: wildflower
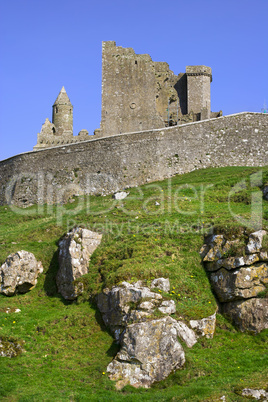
178	294
209	302
159	290
134	235
14	322
103	372
173	287
192	276
172	291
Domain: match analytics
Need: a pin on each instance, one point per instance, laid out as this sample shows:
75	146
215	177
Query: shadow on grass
50	280
114	348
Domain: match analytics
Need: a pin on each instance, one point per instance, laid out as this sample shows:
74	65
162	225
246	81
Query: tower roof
62	98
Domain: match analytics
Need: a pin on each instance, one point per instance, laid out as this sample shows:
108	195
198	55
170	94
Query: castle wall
106	165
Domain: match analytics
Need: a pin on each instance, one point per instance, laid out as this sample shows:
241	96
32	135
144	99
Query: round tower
62	115
198	89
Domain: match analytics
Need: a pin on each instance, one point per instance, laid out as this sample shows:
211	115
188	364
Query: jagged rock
19	273
238	277
124	303
161	283
239	284
186	334
150	351
120	195
75	250
259	394
255	242
205	327
167	307
235	262
248	315
10	347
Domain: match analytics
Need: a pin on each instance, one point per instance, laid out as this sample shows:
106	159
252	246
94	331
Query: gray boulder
161	283
255	242
75	250
259	394
19	273
125	303
150	351
248	315
120	195
205	326
244	283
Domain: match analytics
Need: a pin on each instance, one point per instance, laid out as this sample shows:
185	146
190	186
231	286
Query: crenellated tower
198	90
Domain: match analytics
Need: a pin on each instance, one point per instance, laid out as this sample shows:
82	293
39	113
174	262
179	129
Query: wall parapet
108	164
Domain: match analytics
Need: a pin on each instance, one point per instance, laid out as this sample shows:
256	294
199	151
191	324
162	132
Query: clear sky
45	44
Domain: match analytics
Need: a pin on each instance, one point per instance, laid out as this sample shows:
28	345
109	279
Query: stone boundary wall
109	164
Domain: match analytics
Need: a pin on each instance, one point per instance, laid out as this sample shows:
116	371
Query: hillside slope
157	230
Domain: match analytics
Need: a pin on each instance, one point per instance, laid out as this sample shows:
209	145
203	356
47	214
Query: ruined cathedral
138	94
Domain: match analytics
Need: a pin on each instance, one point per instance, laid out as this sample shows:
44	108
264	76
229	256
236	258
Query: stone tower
62	116
198	90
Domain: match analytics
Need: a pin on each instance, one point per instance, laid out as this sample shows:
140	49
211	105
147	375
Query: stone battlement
109	164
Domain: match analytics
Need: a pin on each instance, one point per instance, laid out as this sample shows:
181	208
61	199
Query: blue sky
46	44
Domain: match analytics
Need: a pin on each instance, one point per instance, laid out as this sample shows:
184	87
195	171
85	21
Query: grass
67	347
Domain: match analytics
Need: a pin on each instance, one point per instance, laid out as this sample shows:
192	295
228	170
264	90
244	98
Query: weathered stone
124	303
239	284
215	251
149	352
186	334
75	250
161	283
259	394
121	195
10	347
19	273
92	166
248	315
205	326
234	262
167	307
255	242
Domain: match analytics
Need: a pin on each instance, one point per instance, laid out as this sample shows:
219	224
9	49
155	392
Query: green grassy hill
67	347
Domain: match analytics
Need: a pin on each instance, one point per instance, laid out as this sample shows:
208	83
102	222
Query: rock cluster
75	250
19	273
237	276
10	347
150	349
259	394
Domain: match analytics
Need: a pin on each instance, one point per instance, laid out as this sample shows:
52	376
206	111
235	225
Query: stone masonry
60	131
140	94
107	165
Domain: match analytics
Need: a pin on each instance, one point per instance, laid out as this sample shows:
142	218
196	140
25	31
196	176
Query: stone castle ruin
137	94
140	94
60	131
154	125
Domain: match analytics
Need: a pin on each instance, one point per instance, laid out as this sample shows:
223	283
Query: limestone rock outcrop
19	273
150	349
251	314
238	272
75	250
205	327
125	303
